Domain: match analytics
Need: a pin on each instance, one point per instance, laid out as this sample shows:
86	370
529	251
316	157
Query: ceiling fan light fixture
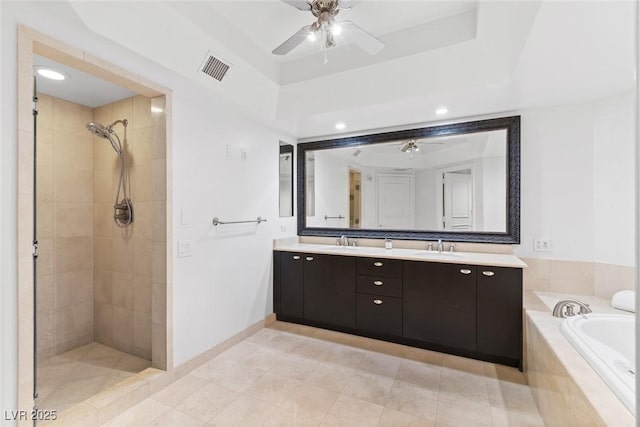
336	29
312	36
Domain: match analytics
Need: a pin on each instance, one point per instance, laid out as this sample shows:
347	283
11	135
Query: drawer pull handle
296	257
488	273
377	282
465	271
309	258
378	264
377	301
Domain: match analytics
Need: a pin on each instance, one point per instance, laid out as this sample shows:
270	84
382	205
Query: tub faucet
564	308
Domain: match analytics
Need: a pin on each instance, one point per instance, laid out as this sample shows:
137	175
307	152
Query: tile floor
69	378
293	375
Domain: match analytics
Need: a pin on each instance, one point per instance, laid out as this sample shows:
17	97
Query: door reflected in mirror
455	183
286	180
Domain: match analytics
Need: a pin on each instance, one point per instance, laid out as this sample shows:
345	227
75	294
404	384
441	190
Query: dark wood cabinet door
330	289
439	304
291	286
380	314
500	311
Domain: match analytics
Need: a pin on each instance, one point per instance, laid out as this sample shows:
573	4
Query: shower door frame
31	42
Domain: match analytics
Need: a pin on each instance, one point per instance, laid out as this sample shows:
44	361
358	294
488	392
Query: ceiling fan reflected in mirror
411	146
327	28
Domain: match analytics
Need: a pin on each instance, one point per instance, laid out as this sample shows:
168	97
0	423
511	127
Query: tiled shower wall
123	269
65	196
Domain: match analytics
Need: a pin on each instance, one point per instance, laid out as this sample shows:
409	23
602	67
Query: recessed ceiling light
156	110
51	74
341	125
442	110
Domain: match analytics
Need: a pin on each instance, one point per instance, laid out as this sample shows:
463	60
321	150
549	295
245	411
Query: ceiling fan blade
293	41
365	40
299	4
349	4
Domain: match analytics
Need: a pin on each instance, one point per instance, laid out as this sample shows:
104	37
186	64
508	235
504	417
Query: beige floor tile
414	400
502	418
174	394
207	402
343	355
141	414
463	364
349	411
369	387
379	364
294	418
313	400
239	351
393	418
263	358
421	374
173	418
214	368
456	384
314	349
457	411
262	336
330	376
510	396
286	342
244	411
240	378
272	388
295	367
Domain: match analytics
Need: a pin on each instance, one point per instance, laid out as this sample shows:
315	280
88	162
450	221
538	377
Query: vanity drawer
380	267
379	314
378	285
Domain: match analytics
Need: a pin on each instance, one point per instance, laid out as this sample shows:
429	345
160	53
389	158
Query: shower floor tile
72	377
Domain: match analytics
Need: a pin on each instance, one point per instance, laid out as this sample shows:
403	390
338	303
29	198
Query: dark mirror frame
286	149
512	234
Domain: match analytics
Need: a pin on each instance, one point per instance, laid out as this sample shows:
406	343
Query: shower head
98	130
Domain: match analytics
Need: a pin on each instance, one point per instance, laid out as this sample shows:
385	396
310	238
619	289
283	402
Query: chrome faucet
343	241
565	308
440	246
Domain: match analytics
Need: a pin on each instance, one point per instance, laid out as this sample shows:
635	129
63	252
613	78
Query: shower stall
95	271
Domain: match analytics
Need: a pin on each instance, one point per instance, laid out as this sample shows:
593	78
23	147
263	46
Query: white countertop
470	258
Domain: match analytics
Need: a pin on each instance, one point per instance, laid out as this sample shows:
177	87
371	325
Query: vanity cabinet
440	304
470	310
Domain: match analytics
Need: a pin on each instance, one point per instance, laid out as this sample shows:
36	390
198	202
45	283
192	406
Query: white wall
494	194
215	295
331	190
577	181
427	217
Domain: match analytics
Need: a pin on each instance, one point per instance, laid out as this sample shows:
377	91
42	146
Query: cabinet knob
377	282
377	301
309	258
296	257
465	271
378	264
488	273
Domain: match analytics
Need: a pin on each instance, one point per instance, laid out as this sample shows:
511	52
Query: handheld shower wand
123	209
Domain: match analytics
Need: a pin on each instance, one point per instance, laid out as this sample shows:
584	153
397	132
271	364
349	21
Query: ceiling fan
326	27
411	146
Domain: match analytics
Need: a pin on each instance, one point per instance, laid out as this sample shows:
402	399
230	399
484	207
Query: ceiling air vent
215	67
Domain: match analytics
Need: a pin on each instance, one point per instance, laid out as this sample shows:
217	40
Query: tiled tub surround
567	390
65	201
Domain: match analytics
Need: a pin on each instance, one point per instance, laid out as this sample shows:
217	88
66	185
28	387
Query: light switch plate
185	248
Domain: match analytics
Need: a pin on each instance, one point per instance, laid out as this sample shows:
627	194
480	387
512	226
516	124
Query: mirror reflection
286	180
453	183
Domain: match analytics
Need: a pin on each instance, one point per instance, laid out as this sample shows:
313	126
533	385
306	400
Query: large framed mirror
456	182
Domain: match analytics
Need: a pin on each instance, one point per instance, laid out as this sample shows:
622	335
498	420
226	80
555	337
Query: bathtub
607	342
